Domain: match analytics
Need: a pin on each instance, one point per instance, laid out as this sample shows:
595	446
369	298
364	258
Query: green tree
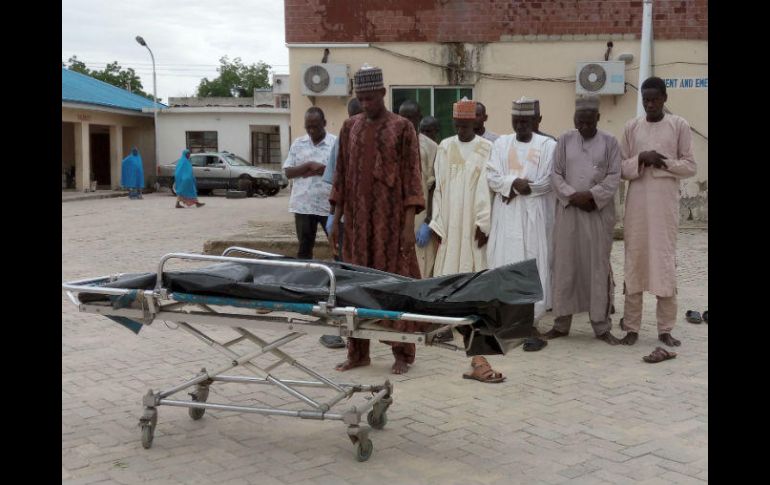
112	74
235	79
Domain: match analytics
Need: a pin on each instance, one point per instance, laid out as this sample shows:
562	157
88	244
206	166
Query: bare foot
399	367
667	339
349	364
609	338
630	338
553	333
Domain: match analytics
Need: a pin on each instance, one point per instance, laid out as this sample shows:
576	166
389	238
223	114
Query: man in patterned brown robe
377	187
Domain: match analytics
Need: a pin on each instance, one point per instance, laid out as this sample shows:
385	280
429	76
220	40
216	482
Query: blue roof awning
79	88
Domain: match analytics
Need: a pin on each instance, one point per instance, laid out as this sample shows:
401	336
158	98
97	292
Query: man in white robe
461	199
519	175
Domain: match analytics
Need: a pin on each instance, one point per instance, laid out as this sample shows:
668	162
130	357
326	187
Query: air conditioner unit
325	80
600	77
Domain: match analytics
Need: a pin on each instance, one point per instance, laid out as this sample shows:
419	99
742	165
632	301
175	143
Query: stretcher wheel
364	449
201	394
377	423
196	413
148	432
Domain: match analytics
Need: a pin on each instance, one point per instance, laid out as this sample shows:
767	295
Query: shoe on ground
332	341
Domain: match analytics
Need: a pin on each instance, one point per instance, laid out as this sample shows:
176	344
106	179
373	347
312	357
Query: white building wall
233	129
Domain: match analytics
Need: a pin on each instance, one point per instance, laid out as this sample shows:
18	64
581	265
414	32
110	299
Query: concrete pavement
579	411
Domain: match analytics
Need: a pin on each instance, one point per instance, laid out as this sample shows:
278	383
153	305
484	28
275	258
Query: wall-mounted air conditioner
600	77
325	80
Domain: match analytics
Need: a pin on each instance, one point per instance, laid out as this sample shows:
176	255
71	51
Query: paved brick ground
578	411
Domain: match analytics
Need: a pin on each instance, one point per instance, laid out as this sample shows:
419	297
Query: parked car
224	170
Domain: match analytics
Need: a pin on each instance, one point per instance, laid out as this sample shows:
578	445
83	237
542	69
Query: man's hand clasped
652	159
583	201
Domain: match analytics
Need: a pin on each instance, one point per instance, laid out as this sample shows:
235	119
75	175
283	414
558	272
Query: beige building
496	62
100	125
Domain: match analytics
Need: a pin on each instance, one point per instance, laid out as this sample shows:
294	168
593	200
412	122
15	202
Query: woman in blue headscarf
184	183
132	174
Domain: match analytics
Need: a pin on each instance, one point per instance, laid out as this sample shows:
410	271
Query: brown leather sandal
483	372
658	355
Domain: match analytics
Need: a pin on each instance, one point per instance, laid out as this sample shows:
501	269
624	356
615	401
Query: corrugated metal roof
79	88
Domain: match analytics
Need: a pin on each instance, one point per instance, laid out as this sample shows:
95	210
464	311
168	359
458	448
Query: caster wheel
200	395
364	449
196	413
377	423
147	435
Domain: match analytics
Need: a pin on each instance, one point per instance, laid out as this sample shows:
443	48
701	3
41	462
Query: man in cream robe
461	202
425	244
519	175
461	210
657	154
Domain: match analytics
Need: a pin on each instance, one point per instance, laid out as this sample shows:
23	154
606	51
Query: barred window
202	141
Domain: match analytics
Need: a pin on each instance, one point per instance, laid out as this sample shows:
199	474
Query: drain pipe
645	56
645	71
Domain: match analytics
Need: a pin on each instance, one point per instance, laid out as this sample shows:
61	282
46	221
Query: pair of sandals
695	317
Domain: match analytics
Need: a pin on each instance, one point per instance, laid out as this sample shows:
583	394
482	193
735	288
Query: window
266	147
202	141
236	161
434	101
198	160
282	101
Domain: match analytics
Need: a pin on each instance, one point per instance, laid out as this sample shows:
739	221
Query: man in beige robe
585	177
657	154
425	244
461	200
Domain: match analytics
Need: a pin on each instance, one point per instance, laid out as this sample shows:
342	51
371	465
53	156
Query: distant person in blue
354	108
132	174
184	183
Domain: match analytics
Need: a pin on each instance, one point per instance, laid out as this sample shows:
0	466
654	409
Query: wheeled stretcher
265	291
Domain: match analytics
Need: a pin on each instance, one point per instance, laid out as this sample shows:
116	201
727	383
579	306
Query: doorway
100	157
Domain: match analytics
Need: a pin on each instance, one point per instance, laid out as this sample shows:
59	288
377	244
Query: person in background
354	107
429	127
184	183
132	174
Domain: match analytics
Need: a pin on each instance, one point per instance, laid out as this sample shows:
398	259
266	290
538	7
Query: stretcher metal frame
188	311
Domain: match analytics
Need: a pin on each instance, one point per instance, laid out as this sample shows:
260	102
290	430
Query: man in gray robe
585	177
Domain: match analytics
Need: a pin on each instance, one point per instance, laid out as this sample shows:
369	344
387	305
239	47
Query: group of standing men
396	201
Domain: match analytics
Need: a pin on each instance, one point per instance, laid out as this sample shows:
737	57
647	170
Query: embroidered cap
587	102
525	106
464	109
368	78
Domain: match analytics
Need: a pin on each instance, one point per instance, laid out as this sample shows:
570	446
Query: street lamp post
141	42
